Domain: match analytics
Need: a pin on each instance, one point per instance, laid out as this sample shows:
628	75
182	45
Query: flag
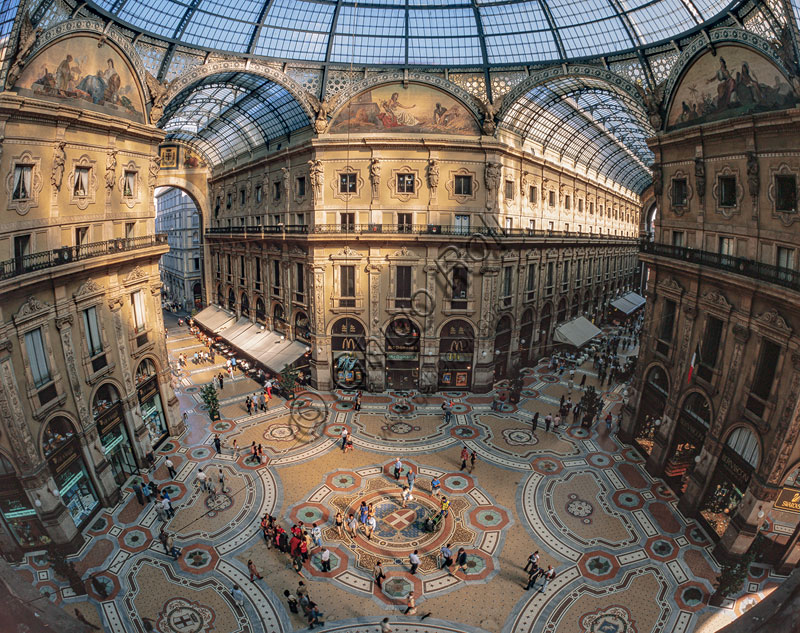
693	364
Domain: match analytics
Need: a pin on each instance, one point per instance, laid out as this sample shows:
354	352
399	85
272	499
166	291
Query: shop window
680	192
405	183
726	186
785	193
463	185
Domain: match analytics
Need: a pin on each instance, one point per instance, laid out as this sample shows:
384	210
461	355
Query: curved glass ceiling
416	32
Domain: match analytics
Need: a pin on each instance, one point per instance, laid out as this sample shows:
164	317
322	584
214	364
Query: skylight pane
513	18
158	16
442	23
363	49
464	51
521	47
215	31
380	22
292	44
567	12
660	21
709	8
596	38
297	14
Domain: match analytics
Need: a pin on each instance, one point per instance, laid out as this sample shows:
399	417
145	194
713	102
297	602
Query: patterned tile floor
627	561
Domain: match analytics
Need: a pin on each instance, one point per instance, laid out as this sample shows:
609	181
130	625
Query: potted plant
590	404
209	396
731	579
288	380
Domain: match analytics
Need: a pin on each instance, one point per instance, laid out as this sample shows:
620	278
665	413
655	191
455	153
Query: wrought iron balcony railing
785	277
67	254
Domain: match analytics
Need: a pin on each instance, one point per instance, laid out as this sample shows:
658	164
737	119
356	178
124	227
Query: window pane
40	368
348	281
92	331
404	281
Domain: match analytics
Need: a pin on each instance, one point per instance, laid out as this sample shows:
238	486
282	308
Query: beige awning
214	318
237	328
634	298
576	332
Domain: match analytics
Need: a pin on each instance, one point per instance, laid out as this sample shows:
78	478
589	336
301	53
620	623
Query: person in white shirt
371	525
385	628
325	557
202	478
413	558
170	467
352	525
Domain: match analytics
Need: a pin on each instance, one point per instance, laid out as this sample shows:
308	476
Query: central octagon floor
626	560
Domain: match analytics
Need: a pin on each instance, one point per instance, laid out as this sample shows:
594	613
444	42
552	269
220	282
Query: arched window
145	371
245	305
105	398
277	314
231	300
696	407
301	329
261	313
561	315
59	431
744	444
658	380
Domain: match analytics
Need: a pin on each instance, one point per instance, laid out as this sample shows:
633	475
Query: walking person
447	558
410	478
339	520
235	448
170	468
344	438
436	486
202	478
405	496
413	559
251	567
370	527
352	525
221	476
472	457
533	560
609	422
398	468
464	457
547	576
316	534
221	379
548	420
237	594
325	560
167	505
217	443
533	573
292	600
385	628
461	561
535	423
137	489
169	546
357	403
147	491
378	575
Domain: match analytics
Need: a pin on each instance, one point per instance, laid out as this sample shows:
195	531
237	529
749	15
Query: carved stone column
376	357
319	363
429	346
99	467
483	375
173	413
115	305
64	325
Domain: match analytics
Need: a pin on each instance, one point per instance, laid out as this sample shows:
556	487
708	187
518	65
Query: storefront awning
286	355
214	318
623	305
244	338
576	332
234	330
634	298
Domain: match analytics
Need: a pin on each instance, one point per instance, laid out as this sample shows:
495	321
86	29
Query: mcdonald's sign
457	346
349	343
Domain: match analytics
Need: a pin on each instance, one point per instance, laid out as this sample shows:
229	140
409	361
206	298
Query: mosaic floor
626	560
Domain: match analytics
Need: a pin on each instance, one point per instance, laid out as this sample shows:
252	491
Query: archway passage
348	354
526	337
544	328
738	460
109	415
17	512
245	306
651	409
502	346
694	421
402	354
151	402
456	352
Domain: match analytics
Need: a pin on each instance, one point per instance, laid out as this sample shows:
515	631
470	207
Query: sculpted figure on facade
658	182
111	169
155	166
287	177
317	178
489	110
375	176
700	178
158	94
27	39
59	159
433	174
753	183
322	108
492	180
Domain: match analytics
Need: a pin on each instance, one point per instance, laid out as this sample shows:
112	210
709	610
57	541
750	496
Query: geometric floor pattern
627	561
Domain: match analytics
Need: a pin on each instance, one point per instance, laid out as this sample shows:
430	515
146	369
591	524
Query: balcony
68	254
450	230
785	277
343	304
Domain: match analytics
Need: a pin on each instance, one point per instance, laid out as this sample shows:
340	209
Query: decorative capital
374	268
63	320
6	345
796	361
114	303
741	333
690	311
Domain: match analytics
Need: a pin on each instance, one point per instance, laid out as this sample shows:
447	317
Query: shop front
502	346
109	415
63	453
348	349
651	409
687	442
150	402
402	355
18	513
456	350
526	338
735	466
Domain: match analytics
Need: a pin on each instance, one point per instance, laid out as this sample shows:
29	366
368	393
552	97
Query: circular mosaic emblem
342	481
184	616
219	502
608	620
599	460
519	437
548	378
488	518
579	508
192	389
309	514
279	432
400	428
220	426
200	452
464	432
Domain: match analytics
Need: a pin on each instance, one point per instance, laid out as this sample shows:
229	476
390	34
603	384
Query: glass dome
417	32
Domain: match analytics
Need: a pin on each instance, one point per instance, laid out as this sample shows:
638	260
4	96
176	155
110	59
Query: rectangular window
197	263
462	224
509	223
242	197
92	328
229	201
726	186
139	318
301	186
552	199
348	221
276	191
509	193
679	192
726	246
786	193
403	283
600	210
242	269
81	236
300	282
80	188
258	272
532	195
710	347
405	183
785	260
578	273
530	288
531	225
567	203
765	375
228	267
348	281
591	208
460	287
677	238
404	222
548	286
259	193
580	205
347	183
40	367
667	321
129	184
276	219
463	185
276	277
22	182
130	230
550	226
301	219
507	274
565	277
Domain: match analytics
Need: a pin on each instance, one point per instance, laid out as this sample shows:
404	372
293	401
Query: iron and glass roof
417	32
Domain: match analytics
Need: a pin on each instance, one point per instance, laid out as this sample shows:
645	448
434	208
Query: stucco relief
82	182
65	328
19	432
24	183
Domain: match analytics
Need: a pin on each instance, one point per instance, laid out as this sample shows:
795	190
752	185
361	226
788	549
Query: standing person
160	512
251	567
370	527
325	560
445	507
248	403
548	420
461	560
609	421
137	489
533	561
363	513
583	381
385	628
292	600
406	495
170	468
221	476
316	534
221	379
472	457
352	525
357	404
535	423
410	478
169	546
167	504
547	576
411	604
235	448
447	558
398	468
162	536
147	491
533	573
237	594
344	438
339	521
436	486
202	478
556	421
262	402
413	558
217	443
378	575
